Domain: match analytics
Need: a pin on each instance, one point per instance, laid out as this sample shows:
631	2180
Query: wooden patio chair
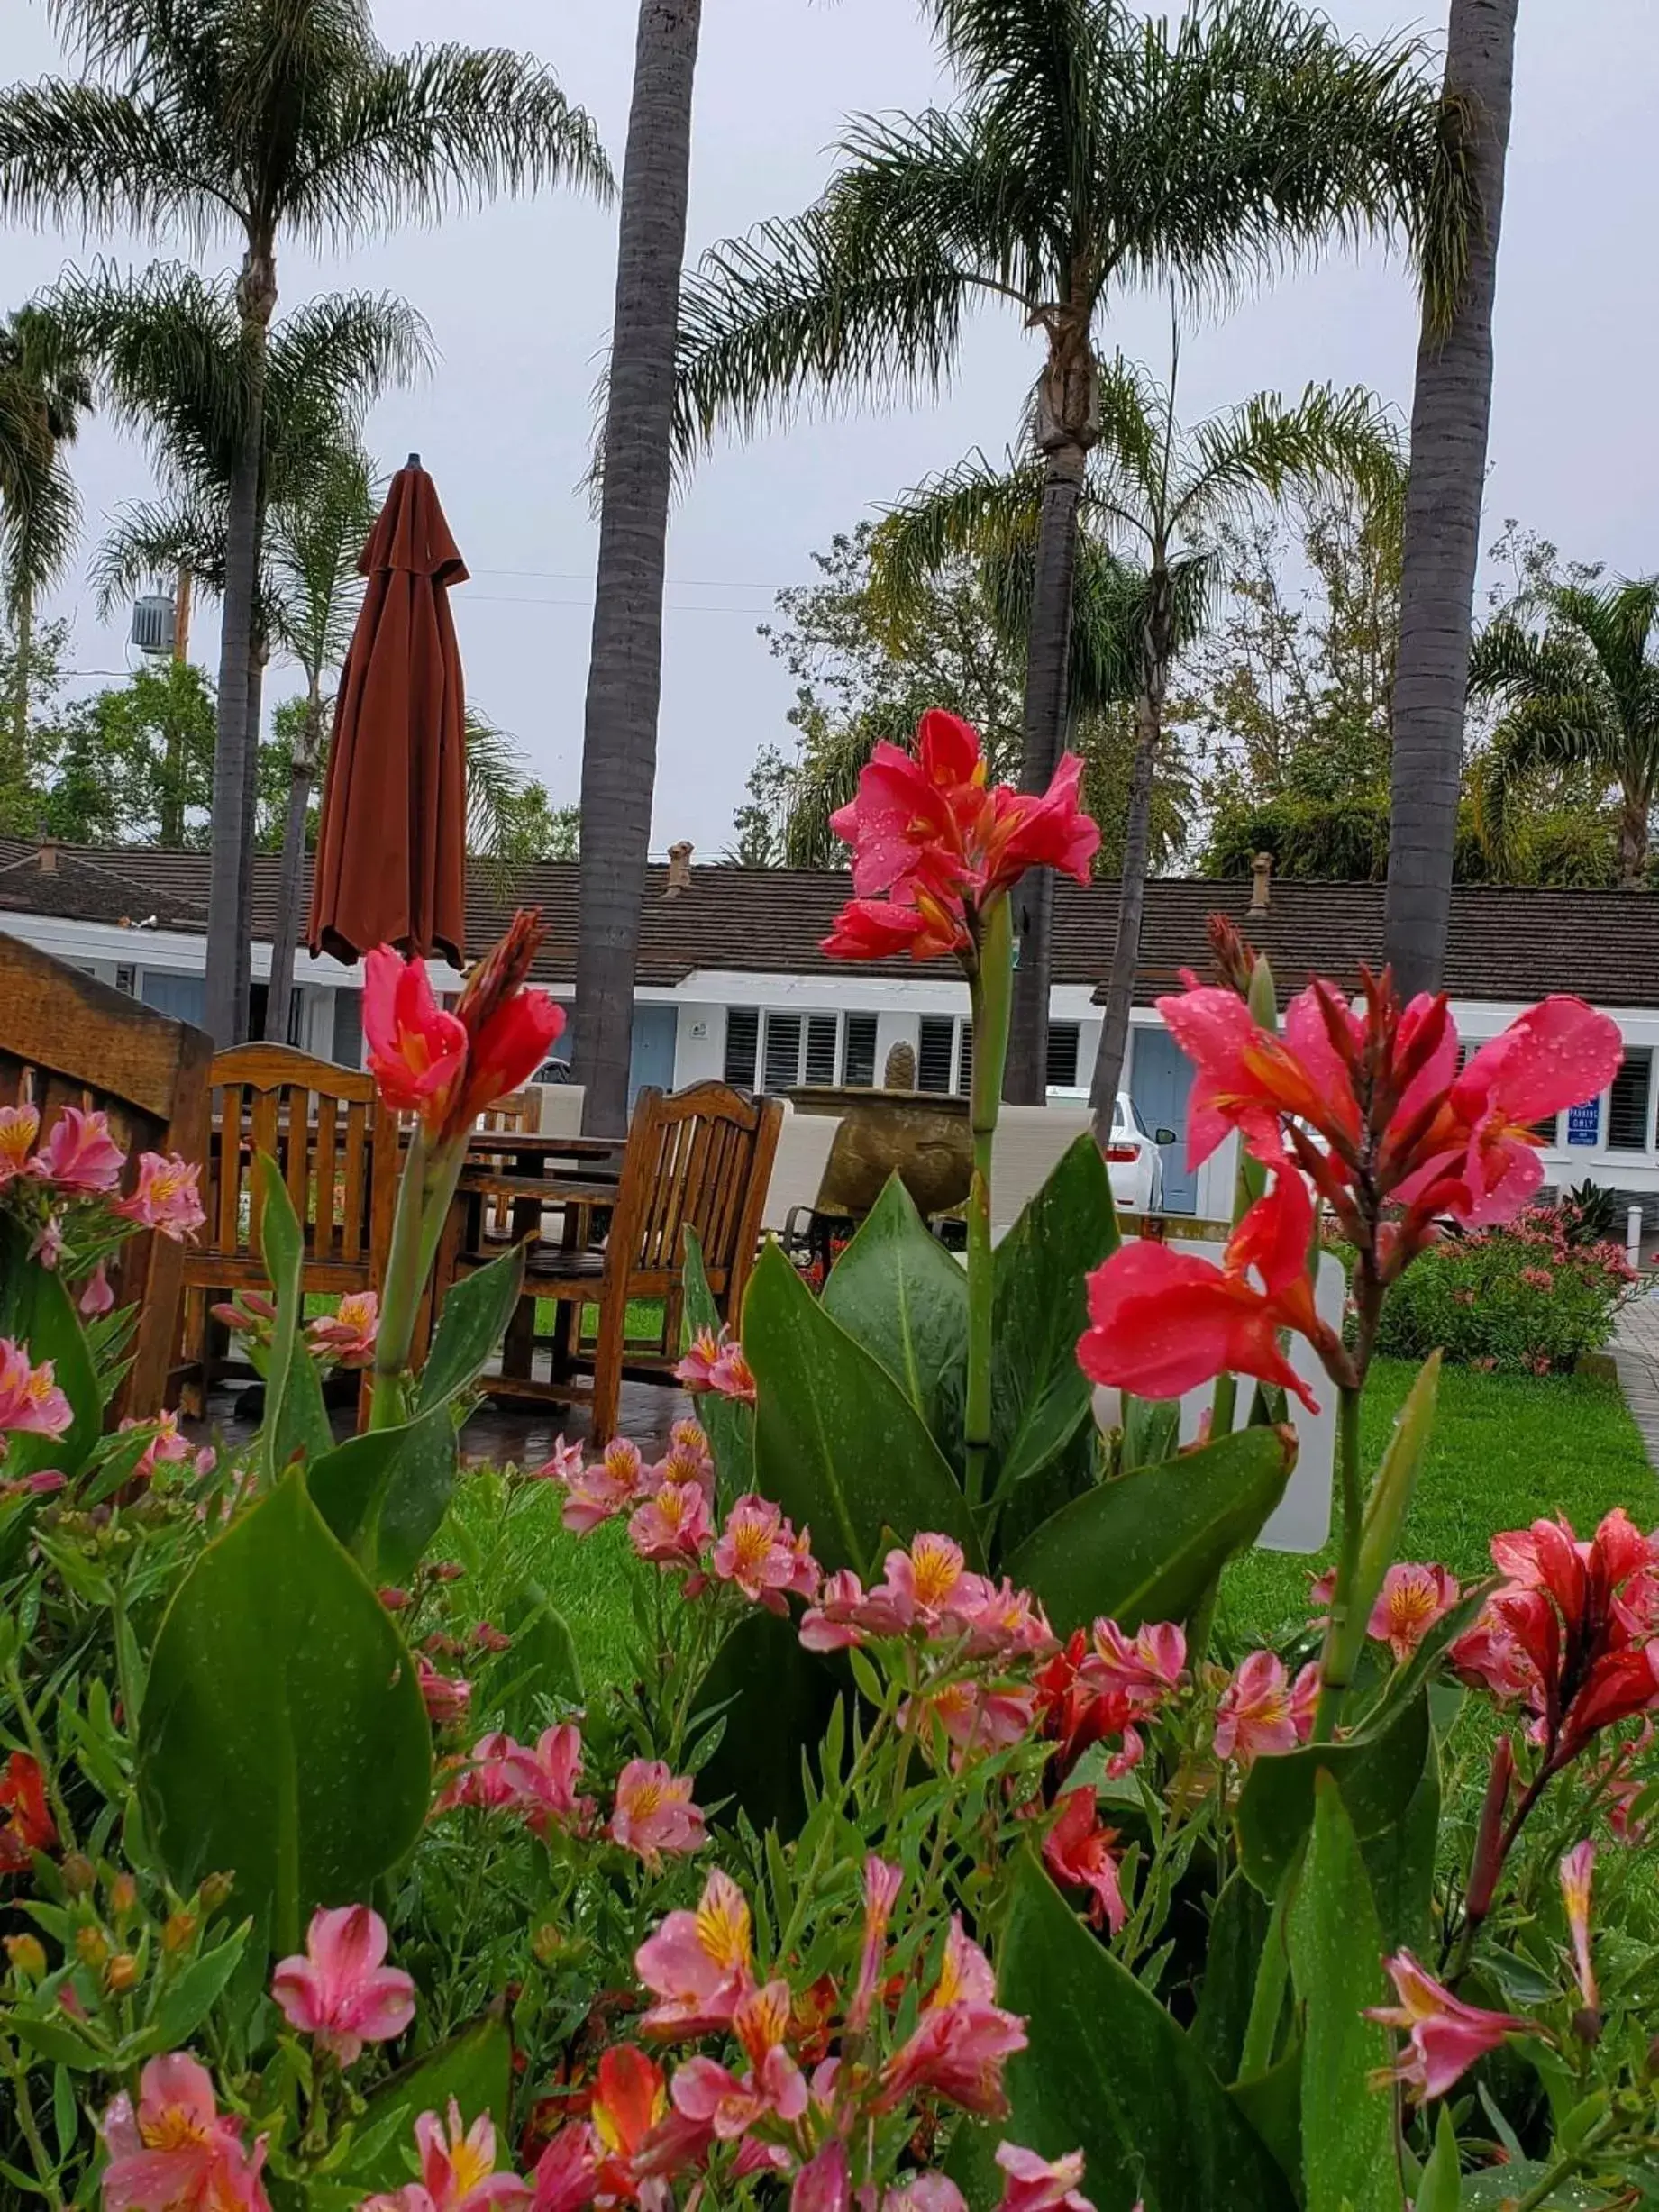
67	1040
338	1153
520	1111
700	1159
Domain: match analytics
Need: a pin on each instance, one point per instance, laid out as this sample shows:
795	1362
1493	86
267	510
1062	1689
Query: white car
1133	1157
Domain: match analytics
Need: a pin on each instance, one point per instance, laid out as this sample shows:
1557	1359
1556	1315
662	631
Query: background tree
1088	149
1451	414
43	393
1572	670
281	119
624	669
131	763
1153	506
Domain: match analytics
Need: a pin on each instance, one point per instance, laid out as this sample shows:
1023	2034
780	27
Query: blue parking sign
1584	1122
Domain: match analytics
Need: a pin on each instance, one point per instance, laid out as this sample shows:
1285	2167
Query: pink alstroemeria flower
1034	2184
178	2150
825	2183
920	2192
882	1883
673	1525
342	1993
760	1552
978	1719
919	1587
19	1128
1577	1873
445	1697
697	1964
654	1812
47	1245
1412	1598
1077	1853
544	1781
1261	1710
97	1297
1446	2035
601	1491
729	2105
168	1447
834	1623
347	1335
566	2177
1000	1621
1145	1668
716	1363
30	1400
166	1198
563	1462
963	2040
484	1779
79	1153
458	2170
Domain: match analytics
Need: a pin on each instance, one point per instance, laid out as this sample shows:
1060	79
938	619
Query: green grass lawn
1506	1448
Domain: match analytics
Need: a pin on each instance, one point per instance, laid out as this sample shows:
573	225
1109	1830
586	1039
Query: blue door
653	1059
184	997
1160	1079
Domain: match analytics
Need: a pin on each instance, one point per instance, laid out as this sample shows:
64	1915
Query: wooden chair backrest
699	1160
514	1115
68	1040
338	1155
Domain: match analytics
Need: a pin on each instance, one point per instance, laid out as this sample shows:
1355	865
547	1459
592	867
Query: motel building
732	983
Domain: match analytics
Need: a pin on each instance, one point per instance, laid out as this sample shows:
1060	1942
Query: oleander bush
1524	1296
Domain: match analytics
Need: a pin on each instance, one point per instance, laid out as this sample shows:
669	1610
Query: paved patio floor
1636	1356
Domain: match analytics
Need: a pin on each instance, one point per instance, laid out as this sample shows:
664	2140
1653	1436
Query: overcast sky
519	298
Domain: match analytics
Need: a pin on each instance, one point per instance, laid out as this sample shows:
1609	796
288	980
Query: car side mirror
1164	1136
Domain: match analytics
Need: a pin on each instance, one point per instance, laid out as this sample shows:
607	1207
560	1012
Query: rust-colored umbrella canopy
392	844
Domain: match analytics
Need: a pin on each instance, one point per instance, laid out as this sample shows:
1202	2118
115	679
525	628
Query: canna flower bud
120	1974
1487	1863
28	1956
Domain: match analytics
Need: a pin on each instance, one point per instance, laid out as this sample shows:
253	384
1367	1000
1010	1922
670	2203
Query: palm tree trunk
1047	683
14	773
226	1011
284	936
258	655
625	674
1157	651
1449	417
1632	842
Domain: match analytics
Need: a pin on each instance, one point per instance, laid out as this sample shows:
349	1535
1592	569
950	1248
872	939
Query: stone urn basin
920	1136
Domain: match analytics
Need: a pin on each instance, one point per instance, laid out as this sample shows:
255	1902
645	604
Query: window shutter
783	1052
935	1049
860	1060
743	1037
964	1073
820	1030
1062	1055
1629	1105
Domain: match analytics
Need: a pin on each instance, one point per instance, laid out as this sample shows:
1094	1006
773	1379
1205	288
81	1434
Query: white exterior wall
699	1043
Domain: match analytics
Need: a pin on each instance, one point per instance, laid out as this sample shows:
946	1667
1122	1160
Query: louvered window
1629	1108
820	1030
935	1049
964	1061
743	1038
1062	1056
783	1052
860	1068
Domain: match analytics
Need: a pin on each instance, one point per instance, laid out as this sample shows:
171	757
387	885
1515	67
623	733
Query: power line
585	576
486	599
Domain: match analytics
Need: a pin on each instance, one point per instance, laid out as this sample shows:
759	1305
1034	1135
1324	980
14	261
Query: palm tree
269	120
1157	499
1451	414
317	535
43	393
624	669
1580	692
1090	149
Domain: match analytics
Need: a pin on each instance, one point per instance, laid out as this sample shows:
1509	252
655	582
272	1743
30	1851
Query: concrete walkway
1636	1356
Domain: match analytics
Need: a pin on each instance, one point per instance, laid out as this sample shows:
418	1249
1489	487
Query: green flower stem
423	1196
16	2067
1267	1999
1342	1635
42	1757
1563	2169
992	994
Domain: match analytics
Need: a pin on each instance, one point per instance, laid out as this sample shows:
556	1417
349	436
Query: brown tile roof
1505	944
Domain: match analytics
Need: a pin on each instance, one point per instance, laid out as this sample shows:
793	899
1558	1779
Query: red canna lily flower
1165	1322
416	1051
28	1826
882	928
912	810
1077	1853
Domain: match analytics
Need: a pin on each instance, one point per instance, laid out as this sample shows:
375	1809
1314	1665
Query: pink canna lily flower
1577	1872
175	2152
654	1812
1034	2184
30	1400
697	1964
961	2043
1260	1711
79	1153
19	1128
1446	2036
166	1198
1077	1853
417	1053
340	1992
1412	1598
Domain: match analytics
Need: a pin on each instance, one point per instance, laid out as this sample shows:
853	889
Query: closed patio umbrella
391	846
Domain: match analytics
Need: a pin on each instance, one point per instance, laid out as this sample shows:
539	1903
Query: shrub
1524	1298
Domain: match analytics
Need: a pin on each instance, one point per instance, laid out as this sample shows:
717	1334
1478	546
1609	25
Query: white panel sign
1302	1522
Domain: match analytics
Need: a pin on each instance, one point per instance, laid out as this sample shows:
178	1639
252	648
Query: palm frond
74	154
316	536
1265	448
990	514
148	544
